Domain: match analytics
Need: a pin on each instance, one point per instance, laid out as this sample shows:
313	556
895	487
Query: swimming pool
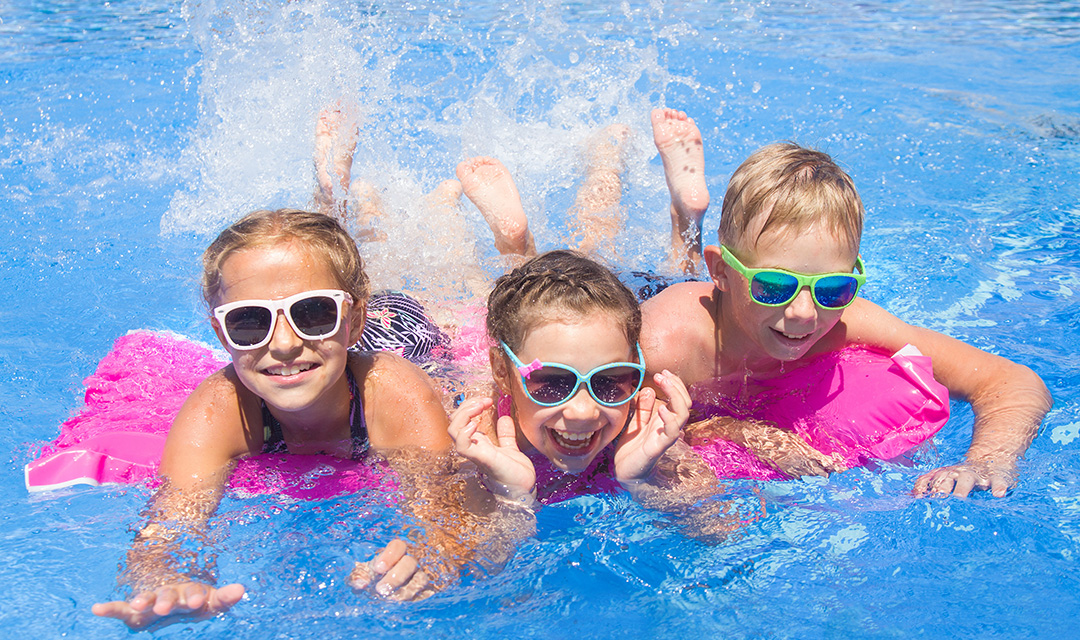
131	131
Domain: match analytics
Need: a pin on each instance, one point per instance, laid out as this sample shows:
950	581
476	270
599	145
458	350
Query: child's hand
960	479
508	472
402	577
182	602
654	427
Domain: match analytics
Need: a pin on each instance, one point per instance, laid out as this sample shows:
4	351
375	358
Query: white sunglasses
313	315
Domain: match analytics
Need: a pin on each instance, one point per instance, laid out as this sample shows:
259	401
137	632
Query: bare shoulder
402	405
677	323
385	372
868	324
213	427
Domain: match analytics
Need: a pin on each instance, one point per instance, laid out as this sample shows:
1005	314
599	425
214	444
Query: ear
717	267
355	321
500	371
218	331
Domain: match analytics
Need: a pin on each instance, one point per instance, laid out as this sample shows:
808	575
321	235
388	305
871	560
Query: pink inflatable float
119	433
856	403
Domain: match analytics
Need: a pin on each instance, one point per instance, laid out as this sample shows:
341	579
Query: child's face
571	434
289	373
787	332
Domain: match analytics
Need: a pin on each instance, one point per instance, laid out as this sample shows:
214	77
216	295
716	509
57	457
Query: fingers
365	573
417	588
361	576
402	578
389	556
674	388
961	480
963	484
463	420
171	600
506	430
938	482
225	597
117	609
999	486
167	597
397	577
646	404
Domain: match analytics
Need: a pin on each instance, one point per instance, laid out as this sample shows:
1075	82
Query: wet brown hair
322	235
796	188
554	285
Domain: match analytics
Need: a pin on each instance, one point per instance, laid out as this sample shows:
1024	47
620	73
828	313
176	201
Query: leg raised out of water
596	217
336	134
363	211
488	185
678	140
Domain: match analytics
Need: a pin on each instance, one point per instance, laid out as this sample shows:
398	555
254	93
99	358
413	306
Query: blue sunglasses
550	384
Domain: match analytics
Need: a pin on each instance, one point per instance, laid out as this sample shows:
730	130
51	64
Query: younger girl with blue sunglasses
569	373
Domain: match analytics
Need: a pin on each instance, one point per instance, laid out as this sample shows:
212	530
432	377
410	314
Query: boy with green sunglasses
784	285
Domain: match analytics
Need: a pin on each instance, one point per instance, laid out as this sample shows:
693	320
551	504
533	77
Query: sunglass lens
616	384
315	316
550	385
834	292
248	325
773	287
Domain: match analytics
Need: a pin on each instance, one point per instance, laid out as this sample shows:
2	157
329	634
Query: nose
283	340
581	407
802	309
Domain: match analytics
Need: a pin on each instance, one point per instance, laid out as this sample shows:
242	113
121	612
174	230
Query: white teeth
572	440
791	337
288	370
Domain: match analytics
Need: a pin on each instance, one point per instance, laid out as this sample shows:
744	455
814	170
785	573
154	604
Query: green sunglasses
777	287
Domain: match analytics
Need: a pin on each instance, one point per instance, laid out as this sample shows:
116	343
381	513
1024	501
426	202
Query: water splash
529	93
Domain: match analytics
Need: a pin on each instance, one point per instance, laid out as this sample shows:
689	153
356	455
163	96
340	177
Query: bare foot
446	194
488	185
335	142
596	205
607	149
678	140
365	208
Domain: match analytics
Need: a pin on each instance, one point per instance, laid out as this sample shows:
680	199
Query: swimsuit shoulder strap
273	438
357	422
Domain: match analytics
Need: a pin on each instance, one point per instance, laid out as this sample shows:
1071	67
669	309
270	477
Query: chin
573	465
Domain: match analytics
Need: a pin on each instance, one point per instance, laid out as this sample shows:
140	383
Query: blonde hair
322	235
796	188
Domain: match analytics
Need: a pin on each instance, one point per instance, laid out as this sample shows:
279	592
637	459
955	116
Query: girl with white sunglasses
287	293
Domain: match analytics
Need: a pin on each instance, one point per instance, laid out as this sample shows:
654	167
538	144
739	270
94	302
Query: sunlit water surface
130	132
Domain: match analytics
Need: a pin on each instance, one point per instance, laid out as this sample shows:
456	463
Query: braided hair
553	285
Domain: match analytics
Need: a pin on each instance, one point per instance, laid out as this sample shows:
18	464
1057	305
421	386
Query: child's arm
1009	400
203	440
408	425
783	450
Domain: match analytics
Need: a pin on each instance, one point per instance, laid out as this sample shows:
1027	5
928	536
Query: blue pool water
131	131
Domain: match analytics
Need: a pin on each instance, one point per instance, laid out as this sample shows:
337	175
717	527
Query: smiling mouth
792	336
573	442
288	370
